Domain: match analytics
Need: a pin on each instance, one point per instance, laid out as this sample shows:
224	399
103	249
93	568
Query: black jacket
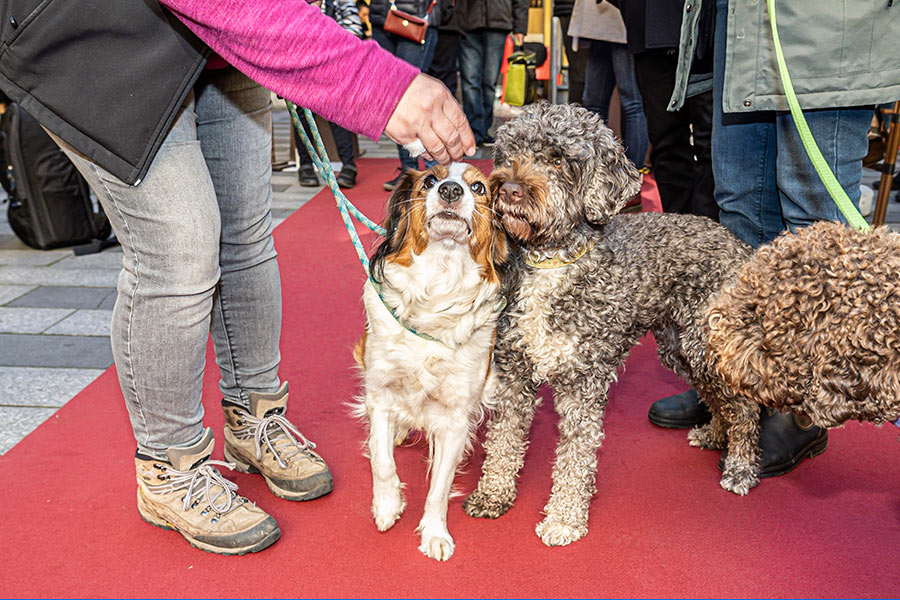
58	57
652	24
378	10
506	15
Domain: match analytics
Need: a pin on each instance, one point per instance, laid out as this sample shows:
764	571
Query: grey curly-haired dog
810	325
590	284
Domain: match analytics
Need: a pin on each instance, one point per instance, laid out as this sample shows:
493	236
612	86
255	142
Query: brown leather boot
263	441
188	494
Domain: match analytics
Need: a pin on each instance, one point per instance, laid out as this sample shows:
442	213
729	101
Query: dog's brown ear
616	181
396	223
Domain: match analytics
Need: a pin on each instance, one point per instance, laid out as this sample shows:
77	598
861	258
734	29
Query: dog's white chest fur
546	347
442	294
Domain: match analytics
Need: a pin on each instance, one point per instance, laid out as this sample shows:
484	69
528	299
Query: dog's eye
478	188
557	162
429	182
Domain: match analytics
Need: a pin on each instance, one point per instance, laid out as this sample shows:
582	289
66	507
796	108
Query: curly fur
438	272
573	326
811	325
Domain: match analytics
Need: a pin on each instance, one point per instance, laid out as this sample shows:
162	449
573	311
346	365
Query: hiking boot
347	177
188	494
263	441
390	184
307	176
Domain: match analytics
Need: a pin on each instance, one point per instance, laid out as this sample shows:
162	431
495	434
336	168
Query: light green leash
834	188
346	208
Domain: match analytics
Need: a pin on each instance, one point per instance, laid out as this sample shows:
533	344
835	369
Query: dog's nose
512	192
450	191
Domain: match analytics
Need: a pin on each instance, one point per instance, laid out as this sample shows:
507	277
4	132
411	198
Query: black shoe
785	442
487	142
347	177
392	183
307	176
680	411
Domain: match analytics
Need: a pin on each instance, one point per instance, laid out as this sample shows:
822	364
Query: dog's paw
437	545
739	479
387	508
704	437
484	506
554	532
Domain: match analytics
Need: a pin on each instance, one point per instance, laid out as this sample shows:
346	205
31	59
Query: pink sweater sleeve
300	54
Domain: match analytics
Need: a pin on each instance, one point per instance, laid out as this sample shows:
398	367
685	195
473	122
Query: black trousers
343	139
445	62
681	152
577	63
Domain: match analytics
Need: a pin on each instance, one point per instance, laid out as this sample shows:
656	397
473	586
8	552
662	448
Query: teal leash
346	208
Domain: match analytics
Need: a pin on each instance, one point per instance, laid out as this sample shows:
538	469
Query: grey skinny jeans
198	258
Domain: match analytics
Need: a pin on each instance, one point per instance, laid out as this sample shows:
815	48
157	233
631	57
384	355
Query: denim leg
636	141
431	38
743	152
599	79
841	136
494	42
234	121
169	228
471	61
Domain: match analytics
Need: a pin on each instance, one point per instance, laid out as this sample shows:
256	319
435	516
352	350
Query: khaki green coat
839	53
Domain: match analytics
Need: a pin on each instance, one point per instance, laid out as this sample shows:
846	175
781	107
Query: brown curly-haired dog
588	284
810	325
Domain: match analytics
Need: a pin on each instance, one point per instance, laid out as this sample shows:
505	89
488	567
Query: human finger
434	146
454	113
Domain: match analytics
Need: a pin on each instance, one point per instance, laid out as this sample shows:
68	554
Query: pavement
55	308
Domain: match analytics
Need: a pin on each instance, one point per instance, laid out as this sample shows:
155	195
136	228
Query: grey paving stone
58	276
30	320
19	422
8	241
30	386
21	350
11	292
280	187
83	322
282	213
32	257
55	296
109	301
108	259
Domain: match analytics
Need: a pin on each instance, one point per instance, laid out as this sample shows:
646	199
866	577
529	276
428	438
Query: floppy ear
616	180
396	224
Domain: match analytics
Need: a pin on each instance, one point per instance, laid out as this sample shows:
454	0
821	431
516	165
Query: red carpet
660	525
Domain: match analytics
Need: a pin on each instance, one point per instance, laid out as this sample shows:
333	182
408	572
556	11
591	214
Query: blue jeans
765	183
418	55
611	65
480	57
198	259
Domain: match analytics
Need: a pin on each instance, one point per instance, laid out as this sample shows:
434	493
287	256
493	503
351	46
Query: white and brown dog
426	352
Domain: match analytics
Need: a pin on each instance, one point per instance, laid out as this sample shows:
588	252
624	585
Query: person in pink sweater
195	225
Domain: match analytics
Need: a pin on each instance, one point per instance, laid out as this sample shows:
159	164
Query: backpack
50	202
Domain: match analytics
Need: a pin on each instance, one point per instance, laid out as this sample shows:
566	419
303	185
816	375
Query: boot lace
202	482
279	435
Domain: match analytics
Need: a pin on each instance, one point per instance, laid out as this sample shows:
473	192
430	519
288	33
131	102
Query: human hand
519	38
428	112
